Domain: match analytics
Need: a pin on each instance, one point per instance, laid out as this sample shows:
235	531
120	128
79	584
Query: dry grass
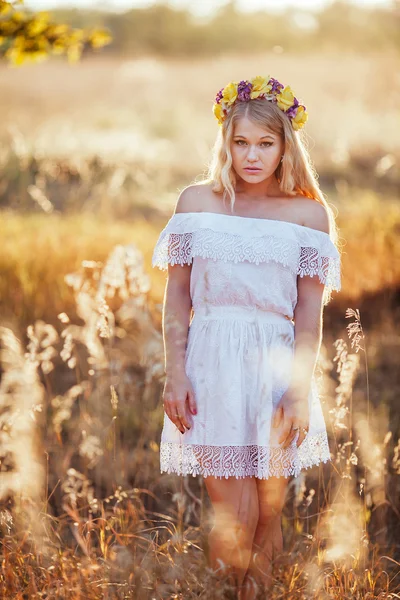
84	513
32	286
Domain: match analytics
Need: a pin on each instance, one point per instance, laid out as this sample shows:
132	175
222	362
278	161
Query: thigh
234	500
271	496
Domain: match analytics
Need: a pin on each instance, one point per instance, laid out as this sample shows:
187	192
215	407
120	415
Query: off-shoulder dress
240	344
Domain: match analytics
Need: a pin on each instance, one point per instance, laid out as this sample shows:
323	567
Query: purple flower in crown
244	90
219	96
292	111
276	86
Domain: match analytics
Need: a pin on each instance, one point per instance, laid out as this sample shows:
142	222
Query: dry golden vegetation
85	513
91	161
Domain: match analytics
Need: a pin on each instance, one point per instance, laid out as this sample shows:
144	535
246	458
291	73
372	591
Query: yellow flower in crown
260	86
285	99
229	93
300	119
218	112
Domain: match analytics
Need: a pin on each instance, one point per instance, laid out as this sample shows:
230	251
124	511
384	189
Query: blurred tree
358	29
33	37
161	30
158	29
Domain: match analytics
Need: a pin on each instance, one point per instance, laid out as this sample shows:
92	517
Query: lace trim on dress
303	250
244	461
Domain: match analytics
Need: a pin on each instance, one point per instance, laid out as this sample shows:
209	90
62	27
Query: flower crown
260	87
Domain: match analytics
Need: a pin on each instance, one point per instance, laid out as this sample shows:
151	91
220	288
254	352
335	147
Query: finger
289	439
277	418
178	423
297	430
287	424
293	432
182	419
172	411
192	402
302	435
168	410
185	420
300	439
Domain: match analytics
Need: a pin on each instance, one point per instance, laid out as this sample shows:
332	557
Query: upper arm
189	200
310	289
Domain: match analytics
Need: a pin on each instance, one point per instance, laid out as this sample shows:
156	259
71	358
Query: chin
247	177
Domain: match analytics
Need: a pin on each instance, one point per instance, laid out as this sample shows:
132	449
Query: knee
245	529
272	497
270	509
234	529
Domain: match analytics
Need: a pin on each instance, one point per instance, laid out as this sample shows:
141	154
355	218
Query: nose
252	154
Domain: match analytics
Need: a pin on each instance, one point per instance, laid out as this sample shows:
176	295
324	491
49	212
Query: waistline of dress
252	314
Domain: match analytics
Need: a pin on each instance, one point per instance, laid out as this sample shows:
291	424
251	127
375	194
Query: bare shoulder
314	214
194	198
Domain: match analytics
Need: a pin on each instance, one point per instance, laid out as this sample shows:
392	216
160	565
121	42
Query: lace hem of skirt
244	461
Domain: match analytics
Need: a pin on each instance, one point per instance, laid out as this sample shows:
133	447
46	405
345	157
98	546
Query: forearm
176	319
307	343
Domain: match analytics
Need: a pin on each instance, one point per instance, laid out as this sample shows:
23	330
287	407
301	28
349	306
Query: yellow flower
100	38
285	99
229	93
260	86
300	119
38	24
218	112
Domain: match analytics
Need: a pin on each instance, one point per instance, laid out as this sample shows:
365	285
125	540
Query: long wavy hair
296	174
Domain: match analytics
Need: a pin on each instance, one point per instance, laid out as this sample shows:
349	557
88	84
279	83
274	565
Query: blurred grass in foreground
84	511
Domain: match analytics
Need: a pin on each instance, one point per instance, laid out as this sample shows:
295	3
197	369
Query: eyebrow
261	138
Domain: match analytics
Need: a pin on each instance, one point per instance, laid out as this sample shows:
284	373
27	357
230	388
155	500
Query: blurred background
103	121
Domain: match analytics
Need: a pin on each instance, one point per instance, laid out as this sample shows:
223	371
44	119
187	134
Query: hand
292	414
179	400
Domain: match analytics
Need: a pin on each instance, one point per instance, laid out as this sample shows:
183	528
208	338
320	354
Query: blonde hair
296	174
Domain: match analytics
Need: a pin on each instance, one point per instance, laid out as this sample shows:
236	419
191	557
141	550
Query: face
253	147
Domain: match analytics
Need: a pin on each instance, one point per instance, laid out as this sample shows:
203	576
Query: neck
267	188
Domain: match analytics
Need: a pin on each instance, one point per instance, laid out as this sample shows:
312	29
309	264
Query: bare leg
235	504
268	540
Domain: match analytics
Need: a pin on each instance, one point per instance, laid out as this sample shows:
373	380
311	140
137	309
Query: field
92	158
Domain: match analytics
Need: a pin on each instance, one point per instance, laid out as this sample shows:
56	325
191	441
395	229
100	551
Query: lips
252	169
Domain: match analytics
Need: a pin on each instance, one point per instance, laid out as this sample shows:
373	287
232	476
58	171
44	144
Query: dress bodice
247	261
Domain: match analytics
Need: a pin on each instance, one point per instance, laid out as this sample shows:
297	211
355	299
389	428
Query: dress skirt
239	360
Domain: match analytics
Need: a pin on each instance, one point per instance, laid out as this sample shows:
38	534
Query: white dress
239	352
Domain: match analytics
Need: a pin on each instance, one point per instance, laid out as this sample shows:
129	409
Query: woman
241	404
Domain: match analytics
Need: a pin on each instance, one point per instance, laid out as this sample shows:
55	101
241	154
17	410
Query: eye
239	142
